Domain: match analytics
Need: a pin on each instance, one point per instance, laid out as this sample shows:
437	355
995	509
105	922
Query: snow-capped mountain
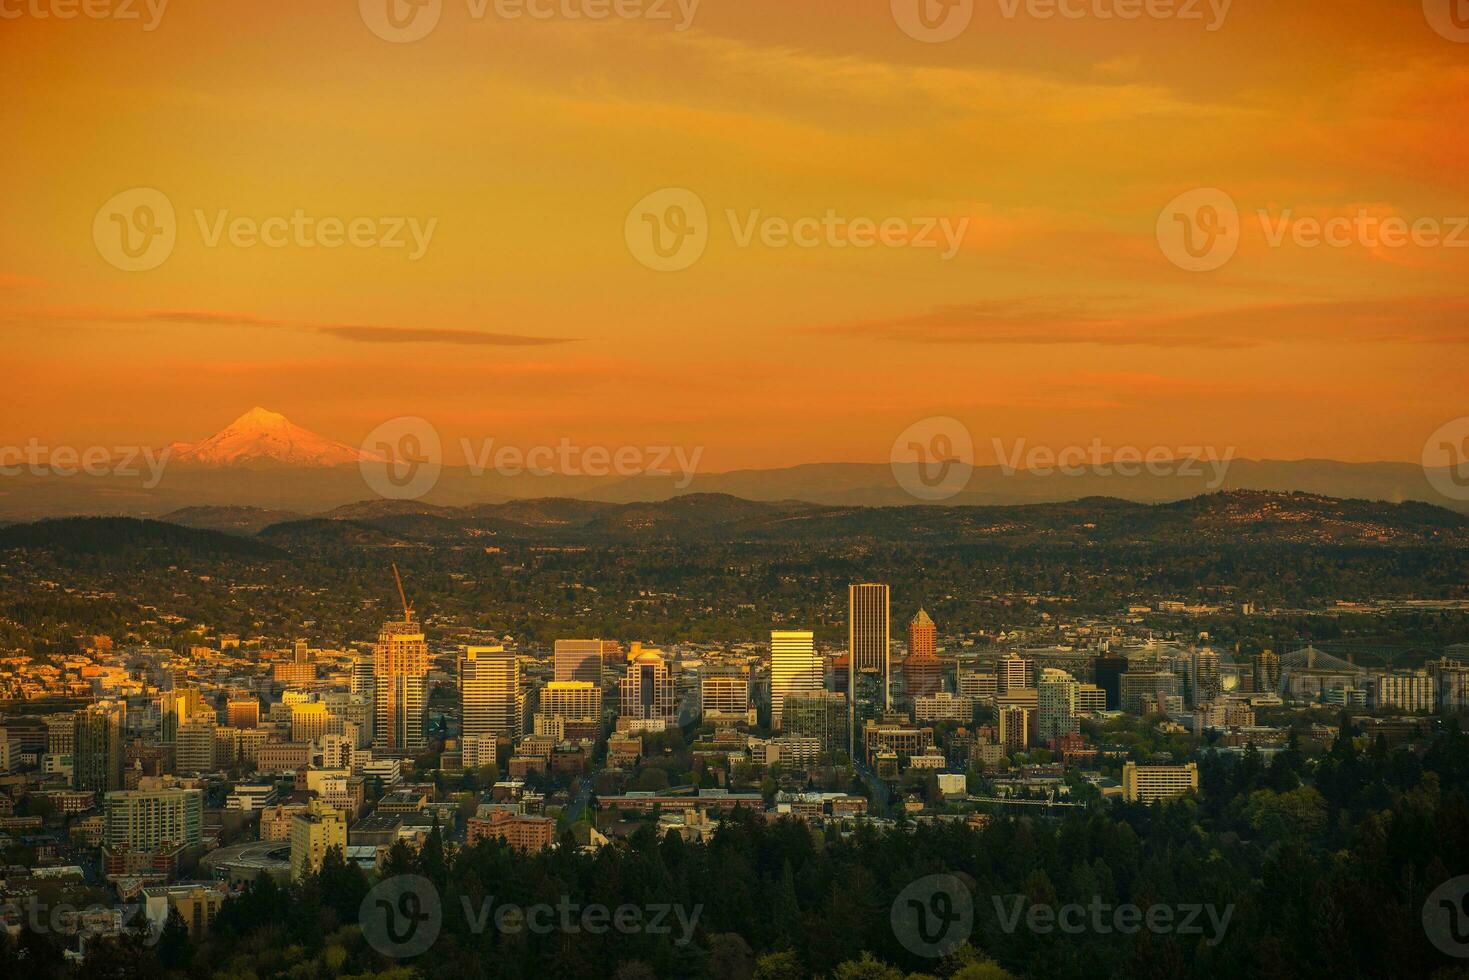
264	437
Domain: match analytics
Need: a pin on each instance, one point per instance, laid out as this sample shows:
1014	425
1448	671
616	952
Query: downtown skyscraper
491	702
869	682
795	668
399	673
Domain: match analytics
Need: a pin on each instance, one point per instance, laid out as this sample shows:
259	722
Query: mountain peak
263	437
261	418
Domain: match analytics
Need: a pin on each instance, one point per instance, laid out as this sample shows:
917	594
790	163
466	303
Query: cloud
358	333
1035	322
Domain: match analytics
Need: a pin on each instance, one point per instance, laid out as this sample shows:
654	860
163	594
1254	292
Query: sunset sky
529	319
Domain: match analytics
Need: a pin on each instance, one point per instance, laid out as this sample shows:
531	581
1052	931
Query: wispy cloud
357	333
1040	322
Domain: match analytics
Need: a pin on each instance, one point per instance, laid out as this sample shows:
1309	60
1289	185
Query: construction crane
403	596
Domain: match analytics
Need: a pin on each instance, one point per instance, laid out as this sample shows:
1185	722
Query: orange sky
1060	319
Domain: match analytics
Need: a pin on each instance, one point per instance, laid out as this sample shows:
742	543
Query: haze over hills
263	469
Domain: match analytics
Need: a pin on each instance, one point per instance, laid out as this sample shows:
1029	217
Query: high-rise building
868	632
795	667
579	660
1014	728
242	712
574	701
1148	691
978	684
97	743
175	707
1267	671
1055	704
1205	684
724	693
647	689
822	715
923	672
308	721
314	832
194	746
1107	672
490	697
399	671
153	819
1014	673
922	636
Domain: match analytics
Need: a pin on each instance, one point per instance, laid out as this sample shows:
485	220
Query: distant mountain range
1231	518
263	469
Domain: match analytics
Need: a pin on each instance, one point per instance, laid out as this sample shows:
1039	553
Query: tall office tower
1206	684
1056	693
574	701
194	747
242	712
579	660
399	669
314	832
922	636
821	715
647	689
724	694
1014	729
1107	672
309	721
1267	671
97	746
301	653
795	668
868	633
61	732
1014	673
491	701
176	707
868	652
